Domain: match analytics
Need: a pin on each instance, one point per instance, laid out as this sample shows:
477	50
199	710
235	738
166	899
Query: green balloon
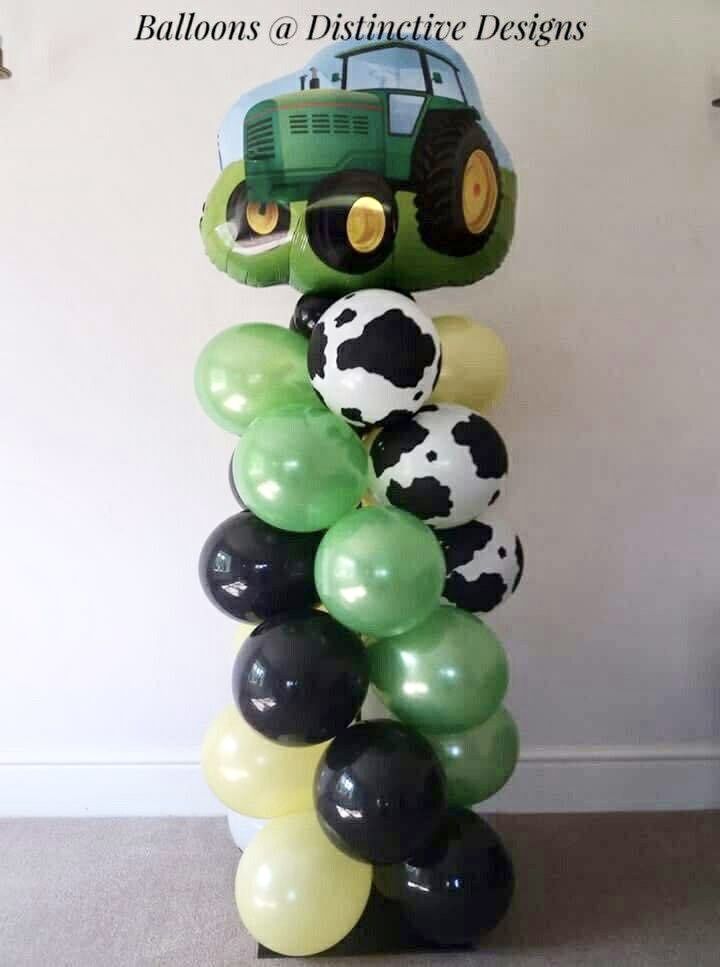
447	674
480	761
378	571
248	370
300	468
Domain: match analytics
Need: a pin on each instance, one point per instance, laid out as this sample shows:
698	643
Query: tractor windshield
398	68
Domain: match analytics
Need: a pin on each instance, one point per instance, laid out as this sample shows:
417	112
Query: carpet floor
592	891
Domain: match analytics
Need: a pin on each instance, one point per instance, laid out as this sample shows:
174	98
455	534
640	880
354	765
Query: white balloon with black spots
484	562
446	465
374	357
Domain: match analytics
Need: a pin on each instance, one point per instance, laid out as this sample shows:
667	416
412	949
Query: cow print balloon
374	357
484	564
446	465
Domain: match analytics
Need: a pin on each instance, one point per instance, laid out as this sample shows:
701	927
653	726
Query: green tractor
396	119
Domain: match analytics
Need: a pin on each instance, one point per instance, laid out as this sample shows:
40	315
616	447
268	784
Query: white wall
113	661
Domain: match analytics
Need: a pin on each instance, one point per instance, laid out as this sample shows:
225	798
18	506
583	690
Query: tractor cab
400	66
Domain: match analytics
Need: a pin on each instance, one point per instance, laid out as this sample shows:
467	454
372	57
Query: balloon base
382	929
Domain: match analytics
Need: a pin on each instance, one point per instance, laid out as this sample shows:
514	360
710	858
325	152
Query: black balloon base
382	929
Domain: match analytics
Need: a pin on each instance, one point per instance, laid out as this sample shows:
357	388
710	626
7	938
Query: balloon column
363	553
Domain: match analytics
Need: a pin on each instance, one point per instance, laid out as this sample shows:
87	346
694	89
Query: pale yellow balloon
297	893
369	438
474	369
254	776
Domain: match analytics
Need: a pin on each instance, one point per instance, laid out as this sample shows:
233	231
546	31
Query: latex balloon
380	791
233	488
475	363
248	370
374	357
459	887
447	674
252	571
484	563
296	893
308	310
300	468
300	678
253	776
379	571
446	465
480	761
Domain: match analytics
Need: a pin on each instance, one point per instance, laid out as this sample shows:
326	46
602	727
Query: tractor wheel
351	221
250	220
458	188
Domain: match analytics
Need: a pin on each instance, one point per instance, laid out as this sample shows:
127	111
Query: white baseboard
568	779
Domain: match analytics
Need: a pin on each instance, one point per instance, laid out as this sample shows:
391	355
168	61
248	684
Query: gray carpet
593	891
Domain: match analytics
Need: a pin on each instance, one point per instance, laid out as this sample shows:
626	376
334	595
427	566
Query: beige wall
111	475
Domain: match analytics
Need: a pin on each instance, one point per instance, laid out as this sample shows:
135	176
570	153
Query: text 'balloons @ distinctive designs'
379	571
447	674
252	571
374	357
248	370
446	465
254	776
480	761
300	678
380	791
459	887
295	892
300	468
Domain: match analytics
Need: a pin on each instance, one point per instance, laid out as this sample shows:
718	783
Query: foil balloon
252	571
300	468
375	166
459	887
295	892
446	465
301	678
380	791
374	357
446	674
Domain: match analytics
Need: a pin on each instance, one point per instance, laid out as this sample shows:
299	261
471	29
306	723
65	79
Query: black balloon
459	887
233	488
253	571
308	310
380	791
300	678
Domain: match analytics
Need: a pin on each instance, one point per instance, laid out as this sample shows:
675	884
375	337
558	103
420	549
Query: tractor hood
292	142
